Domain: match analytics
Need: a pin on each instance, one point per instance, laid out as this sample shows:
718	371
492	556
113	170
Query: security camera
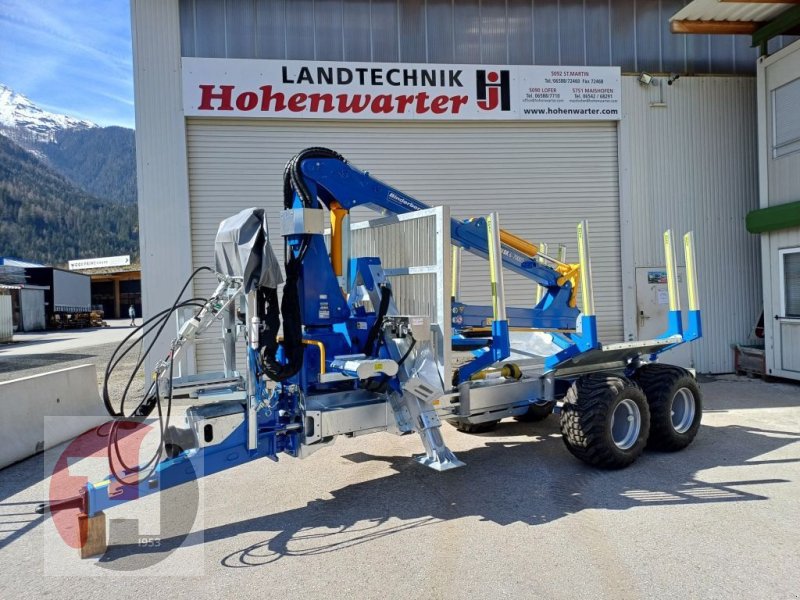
673	77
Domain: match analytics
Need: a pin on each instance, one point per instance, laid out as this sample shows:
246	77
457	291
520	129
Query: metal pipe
672	272
586	268
555	261
254	325
496	267
691	271
321	346
229	338
539	288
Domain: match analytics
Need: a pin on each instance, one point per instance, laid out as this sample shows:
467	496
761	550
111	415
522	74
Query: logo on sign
494	89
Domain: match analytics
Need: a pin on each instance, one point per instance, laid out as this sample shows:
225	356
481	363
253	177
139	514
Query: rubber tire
660	383
536	413
586	420
475	427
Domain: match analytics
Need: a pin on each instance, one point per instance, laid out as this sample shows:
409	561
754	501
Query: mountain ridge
100	160
46	218
18	113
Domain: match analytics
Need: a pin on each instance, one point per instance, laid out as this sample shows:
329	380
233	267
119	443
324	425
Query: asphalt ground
41	352
523	519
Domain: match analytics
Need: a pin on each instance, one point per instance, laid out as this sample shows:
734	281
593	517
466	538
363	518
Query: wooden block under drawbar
92	534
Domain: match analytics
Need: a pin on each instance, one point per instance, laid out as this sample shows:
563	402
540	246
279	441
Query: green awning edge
773	218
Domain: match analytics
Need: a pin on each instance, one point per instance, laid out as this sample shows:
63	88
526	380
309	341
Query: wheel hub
626	423
682	410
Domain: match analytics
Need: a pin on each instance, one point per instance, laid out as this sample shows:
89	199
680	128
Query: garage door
542	178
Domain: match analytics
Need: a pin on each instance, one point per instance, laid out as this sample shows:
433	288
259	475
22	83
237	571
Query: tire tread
584	419
659	382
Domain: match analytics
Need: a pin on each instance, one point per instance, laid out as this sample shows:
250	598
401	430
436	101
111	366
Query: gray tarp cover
242	249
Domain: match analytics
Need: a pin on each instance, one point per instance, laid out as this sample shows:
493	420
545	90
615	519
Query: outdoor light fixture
646	79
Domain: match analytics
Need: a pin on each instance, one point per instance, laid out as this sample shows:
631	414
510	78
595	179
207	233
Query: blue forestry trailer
332	354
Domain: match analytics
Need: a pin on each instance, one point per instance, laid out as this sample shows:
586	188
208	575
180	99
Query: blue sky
70	56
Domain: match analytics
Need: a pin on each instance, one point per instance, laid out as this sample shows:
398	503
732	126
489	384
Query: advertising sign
94	263
214	87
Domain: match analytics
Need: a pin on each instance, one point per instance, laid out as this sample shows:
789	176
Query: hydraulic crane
334	356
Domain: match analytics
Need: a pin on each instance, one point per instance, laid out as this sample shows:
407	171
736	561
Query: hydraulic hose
293	183
369	345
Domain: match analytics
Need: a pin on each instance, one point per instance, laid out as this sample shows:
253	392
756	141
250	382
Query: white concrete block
25	402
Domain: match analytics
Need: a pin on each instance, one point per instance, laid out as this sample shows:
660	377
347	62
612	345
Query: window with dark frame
790	277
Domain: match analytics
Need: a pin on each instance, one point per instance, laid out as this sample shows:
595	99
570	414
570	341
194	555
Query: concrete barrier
24	404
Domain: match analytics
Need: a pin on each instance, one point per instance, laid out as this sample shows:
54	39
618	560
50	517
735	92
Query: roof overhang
761	19
774	218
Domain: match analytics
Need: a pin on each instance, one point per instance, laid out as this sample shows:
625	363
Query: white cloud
73	56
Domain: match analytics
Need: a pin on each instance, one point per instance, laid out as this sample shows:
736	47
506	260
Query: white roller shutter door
542	177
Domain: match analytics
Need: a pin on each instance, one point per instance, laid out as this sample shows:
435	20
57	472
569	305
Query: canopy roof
762	19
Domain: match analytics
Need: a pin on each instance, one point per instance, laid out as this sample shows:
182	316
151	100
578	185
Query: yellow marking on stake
691	273
492	260
585	270
672	287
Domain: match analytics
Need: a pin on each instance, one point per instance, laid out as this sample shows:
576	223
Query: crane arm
340	187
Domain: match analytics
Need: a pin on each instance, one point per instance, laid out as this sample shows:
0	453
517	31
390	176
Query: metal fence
415	254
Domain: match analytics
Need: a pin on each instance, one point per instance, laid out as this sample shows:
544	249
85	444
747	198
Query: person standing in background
132	315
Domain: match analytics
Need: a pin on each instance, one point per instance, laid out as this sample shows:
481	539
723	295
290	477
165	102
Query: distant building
6	323
115	289
8	261
26	304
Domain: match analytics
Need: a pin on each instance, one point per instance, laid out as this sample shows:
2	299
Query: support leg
92	531
423	418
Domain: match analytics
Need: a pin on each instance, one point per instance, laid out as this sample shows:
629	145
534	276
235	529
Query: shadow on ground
529	479
522	474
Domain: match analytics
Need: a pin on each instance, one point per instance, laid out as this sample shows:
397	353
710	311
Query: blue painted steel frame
274	437
335	180
499	349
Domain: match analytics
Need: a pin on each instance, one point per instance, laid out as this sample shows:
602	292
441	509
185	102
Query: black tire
664	385
475	427
536	413
587	415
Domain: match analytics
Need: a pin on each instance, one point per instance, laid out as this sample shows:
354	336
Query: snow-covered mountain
25	122
100	160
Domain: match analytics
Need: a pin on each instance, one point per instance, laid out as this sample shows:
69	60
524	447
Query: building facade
668	158
778	219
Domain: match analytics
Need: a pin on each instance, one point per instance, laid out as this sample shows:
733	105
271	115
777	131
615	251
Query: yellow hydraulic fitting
572	273
508	370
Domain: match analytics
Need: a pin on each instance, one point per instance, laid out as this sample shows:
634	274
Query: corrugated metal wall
693	165
542	178
31	310
6	319
633	34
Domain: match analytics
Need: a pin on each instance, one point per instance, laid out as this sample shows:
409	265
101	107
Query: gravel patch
15	367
